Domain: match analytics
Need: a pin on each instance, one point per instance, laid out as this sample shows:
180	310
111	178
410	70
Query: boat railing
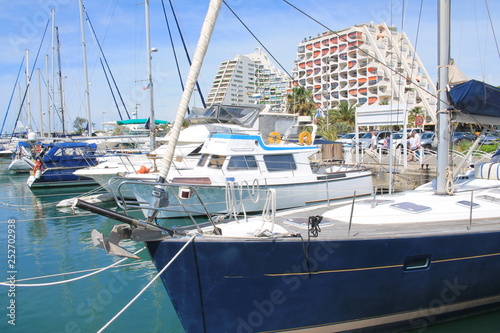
160	200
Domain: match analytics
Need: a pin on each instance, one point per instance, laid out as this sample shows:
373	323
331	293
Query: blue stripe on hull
265	285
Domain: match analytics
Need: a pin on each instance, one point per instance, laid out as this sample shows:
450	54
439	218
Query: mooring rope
147	286
70	280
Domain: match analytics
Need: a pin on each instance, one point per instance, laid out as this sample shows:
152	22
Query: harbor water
59	287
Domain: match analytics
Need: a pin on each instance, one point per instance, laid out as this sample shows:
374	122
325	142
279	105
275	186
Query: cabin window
417	263
216	161
203	160
280	162
242	163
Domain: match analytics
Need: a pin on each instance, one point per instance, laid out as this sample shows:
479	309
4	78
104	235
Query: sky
120	29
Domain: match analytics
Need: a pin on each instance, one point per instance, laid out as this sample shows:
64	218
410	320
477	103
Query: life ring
274	137
38	149
305	137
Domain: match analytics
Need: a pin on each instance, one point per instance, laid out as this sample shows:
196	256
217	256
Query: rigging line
492	27
257	39
70	280
358	48
400	93
310	97
173	47
110	89
107	65
31	75
185	50
12	95
147	286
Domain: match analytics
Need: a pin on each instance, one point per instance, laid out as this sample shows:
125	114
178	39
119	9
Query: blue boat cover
70	154
476	98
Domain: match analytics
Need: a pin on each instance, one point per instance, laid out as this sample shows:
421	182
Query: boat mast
194	71
152	124
28	103
52	103
40	101
61	91
49	124
85	70
443	102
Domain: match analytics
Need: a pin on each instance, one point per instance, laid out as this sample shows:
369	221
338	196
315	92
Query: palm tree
343	113
340	120
300	101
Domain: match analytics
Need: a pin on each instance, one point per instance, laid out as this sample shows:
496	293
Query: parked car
366	139
489	138
349	138
461	136
427	140
409	130
397	139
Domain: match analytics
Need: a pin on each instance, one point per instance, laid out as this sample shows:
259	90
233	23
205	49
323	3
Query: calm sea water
50	242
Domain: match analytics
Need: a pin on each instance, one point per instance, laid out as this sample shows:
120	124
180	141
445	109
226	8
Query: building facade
364	65
249	79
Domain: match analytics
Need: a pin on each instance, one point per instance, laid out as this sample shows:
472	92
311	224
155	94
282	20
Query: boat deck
413	214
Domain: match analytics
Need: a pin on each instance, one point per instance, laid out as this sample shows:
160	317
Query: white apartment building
364	65
249	79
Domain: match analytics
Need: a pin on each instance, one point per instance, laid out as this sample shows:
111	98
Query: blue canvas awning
478	99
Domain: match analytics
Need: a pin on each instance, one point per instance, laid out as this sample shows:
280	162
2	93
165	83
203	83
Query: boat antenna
194	71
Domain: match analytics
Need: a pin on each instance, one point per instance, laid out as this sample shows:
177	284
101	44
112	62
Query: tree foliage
341	119
80	125
300	101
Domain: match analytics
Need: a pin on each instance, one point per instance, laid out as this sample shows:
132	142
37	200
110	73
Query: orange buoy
143	169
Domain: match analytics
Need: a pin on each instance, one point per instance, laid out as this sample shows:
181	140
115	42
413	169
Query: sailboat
387	263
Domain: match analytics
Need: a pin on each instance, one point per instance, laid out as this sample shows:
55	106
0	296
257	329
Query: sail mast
443	102
152	124
85	70
52	92
49	124
61	90
194	71
40	108
28	102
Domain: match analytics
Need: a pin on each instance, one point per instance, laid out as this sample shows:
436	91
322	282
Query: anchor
134	229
